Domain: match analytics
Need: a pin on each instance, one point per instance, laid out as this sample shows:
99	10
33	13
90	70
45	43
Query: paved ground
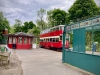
45	62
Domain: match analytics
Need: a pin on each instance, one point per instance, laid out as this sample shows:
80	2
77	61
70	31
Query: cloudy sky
26	10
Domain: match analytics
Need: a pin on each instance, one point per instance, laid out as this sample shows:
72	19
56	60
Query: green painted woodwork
89	24
84	61
75	40
79	40
64	36
78	57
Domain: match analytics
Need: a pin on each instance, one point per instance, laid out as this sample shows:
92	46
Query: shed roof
20	34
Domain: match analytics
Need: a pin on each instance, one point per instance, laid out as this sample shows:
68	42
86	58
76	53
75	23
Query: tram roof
57	26
46	30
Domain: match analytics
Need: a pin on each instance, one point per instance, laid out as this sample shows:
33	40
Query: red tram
52	38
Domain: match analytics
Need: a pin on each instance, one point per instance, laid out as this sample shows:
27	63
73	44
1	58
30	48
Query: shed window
30	41
10	40
20	40
25	40
14	40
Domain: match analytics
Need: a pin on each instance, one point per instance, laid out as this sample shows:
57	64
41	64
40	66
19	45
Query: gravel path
45	62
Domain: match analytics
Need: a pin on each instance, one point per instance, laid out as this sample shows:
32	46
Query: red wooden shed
20	40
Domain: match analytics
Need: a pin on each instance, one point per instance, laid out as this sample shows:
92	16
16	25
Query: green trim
79	58
84	61
84	25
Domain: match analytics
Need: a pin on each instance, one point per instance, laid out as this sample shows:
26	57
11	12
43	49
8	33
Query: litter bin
14	46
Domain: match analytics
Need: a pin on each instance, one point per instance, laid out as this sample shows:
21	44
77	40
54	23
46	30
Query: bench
4	56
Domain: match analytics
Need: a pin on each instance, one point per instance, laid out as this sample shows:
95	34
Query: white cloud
26	10
25	1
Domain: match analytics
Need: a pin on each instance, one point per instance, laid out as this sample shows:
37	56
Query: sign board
88	24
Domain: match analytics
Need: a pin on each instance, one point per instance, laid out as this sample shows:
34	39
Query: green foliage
97	36
17	26
27	26
71	38
24	28
83	9
41	13
49	18
4	23
41	26
36	32
11	29
57	17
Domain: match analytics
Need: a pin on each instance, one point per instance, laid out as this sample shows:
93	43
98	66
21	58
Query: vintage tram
52	38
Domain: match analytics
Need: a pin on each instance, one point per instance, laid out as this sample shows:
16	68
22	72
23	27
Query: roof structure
20	34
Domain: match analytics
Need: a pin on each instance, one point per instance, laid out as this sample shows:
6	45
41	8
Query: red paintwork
9	45
67	44
57	45
54	33
20	46
24	46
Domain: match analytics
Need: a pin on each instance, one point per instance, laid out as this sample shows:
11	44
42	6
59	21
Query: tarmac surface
45	62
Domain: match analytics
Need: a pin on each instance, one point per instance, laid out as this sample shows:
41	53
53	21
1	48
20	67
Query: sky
26	10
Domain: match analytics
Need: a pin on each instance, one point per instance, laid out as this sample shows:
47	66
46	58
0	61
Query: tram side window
50	39
57	39
57	28
61	27
41	40
44	40
53	39
60	37
51	30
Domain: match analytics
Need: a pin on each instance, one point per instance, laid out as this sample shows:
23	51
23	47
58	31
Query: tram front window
60	37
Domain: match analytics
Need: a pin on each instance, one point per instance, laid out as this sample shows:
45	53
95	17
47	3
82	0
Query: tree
11	29
17	26
27	26
41	14
4	23
83	9
35	31
31	25
40	26
49	18
57	17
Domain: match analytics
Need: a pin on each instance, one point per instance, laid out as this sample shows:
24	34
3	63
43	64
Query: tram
52	38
